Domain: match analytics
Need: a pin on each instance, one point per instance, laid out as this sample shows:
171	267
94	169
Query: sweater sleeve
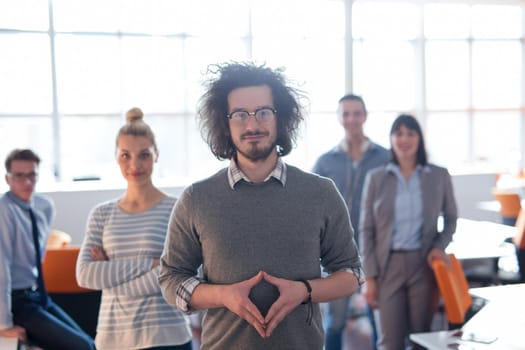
105	274
182	255
144	285
338	248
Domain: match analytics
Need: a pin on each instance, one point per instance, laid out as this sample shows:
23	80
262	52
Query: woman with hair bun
121	250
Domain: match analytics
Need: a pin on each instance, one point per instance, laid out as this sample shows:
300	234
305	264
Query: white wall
470	190
73	206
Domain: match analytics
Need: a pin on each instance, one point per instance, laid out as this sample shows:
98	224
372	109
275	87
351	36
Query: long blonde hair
136	126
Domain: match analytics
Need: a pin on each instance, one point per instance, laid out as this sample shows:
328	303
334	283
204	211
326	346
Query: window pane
447	61
215	18
497	74
323	132
447	21
447	139
497	140
378	125
200	53
88	74
153	74
387	84
380	20
322	85
494	21
170	17
80	156
92	15
29	132
24	14
200	161
297	19
25	71
171	133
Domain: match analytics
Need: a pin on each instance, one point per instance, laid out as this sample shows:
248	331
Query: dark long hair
213	105
410	122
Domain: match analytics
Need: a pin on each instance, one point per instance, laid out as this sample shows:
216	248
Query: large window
458	66
69	70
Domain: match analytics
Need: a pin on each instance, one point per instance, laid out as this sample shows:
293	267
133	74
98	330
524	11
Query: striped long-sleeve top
133	314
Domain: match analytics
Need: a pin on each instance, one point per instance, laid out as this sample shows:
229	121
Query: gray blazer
377	215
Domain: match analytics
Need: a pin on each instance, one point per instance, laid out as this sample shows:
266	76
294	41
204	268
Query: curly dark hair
213	105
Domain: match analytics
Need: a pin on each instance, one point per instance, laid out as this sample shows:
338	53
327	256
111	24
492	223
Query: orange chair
58	269
510	206
519	238
453	288
519	241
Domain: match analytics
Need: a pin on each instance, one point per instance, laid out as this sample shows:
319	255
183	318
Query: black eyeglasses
262	115
19	177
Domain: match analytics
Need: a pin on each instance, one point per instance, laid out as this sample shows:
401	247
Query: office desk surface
476	239
502	318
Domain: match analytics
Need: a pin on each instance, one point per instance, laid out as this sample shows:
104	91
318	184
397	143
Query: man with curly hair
260	228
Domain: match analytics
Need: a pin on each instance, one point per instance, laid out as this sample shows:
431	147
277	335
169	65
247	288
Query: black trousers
47	325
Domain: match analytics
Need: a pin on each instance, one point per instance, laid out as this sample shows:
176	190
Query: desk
476	239
8	343
502	317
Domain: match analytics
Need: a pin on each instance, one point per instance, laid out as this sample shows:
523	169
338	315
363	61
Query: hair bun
134	114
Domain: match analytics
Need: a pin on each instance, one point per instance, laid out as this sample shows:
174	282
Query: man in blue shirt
26	311
347	165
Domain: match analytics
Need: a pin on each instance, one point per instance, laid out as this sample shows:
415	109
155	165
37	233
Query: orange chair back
58	269
453	288
519	238
510	203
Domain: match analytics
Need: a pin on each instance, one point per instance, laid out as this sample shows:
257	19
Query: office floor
358	331
357	334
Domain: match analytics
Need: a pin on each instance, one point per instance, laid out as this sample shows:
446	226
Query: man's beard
256	153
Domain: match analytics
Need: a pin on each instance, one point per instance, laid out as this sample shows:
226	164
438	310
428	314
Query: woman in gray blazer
400	234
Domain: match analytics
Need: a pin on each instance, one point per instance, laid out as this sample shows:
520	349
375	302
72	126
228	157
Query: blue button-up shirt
408	211
17	251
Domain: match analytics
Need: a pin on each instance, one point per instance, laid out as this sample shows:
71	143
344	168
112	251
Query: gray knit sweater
287	231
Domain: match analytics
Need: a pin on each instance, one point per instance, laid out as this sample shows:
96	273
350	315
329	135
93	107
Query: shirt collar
235	174
392	167
345	147
21	203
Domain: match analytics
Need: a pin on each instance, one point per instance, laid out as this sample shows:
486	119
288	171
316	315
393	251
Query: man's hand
98	254
14	332
292	293
370	292
436	253
236	299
